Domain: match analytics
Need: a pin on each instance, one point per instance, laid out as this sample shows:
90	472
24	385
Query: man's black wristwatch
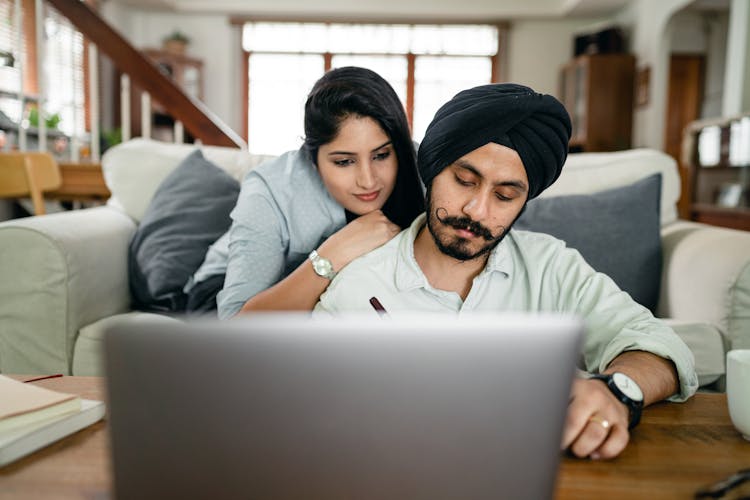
627	392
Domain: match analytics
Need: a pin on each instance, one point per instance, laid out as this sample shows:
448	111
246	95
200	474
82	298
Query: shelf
719	194
596	88
724	168
14	95
712	208
735	218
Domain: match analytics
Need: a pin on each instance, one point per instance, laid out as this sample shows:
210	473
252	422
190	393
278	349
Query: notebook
286	406
32	417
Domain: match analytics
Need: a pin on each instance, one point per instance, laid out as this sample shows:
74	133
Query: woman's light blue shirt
283	213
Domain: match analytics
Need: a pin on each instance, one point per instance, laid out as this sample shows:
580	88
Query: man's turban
535	125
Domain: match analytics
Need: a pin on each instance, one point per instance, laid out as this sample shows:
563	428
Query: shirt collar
410	276
408	273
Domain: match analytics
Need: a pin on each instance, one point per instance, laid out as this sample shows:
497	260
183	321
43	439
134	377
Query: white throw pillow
134	169
586	173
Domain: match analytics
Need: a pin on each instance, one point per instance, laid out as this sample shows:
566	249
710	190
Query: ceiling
428	9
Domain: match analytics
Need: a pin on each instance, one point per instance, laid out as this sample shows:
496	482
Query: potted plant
51	121
176	42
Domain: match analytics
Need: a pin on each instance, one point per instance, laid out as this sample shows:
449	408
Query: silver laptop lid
284	406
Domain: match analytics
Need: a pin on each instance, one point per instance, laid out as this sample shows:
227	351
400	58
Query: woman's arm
301	290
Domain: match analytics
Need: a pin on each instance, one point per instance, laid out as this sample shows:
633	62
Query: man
486	153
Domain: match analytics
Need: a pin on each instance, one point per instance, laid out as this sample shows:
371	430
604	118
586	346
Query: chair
29	174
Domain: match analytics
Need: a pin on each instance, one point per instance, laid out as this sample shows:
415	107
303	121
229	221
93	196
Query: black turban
535	125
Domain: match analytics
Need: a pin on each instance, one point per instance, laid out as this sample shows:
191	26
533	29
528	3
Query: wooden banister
195	116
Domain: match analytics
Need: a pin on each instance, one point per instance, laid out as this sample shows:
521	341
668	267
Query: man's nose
476	208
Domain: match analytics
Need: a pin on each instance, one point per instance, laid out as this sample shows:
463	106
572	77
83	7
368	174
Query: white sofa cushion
88	357
134	169
586	173
707	345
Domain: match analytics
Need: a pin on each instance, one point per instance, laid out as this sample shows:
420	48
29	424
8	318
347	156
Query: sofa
64	276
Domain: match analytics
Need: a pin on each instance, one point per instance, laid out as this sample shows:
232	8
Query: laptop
285	406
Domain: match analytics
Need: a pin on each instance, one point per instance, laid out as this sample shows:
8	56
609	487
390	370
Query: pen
375	303
44	377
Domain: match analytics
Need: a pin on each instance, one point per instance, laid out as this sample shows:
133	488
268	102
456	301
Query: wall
537	49
393	9
703	32
687	33
646	21
717	26
214	41
737	77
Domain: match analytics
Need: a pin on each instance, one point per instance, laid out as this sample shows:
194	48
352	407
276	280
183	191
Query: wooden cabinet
716	153
597	91
187	72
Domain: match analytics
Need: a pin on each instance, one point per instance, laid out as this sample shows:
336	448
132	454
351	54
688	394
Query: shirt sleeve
329	301
322	310
258	242
615	323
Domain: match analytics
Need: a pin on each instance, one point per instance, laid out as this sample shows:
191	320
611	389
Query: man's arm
616	324
597	423
656	376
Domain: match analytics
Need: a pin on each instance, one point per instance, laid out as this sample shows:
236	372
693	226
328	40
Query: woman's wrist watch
627	392
322	266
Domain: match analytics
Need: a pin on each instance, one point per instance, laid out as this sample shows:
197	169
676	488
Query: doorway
684	98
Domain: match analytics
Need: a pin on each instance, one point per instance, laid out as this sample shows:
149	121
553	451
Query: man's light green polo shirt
526	272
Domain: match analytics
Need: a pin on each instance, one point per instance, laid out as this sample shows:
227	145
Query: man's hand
597	423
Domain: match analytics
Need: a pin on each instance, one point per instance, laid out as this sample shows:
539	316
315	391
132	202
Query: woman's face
359	166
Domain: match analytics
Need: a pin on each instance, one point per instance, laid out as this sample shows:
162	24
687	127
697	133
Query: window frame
30	84
498	61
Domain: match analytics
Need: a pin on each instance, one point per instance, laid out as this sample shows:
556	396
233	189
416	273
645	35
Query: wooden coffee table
676	449
77	466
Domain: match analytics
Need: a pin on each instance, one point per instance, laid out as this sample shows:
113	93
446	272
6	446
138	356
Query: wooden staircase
188	112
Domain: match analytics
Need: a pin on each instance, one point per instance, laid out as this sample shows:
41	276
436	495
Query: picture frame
642	86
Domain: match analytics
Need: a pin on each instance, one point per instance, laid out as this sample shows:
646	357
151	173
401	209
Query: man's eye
464	182
502	197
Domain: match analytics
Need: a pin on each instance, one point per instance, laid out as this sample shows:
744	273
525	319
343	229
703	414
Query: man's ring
599	420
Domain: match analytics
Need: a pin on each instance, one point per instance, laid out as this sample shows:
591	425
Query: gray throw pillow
617	231
189	211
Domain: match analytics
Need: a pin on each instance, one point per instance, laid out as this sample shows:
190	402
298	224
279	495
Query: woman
349	189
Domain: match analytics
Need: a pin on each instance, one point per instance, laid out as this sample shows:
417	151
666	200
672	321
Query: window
425	64
13	56
63	73
62	69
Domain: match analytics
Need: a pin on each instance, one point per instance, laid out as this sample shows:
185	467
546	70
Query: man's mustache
465	223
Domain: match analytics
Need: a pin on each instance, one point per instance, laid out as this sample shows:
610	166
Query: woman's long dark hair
349	91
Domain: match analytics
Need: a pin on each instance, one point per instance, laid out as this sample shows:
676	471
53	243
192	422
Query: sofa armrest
59	272
706	277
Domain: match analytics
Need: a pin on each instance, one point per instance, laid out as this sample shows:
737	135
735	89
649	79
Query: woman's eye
382	156
343	163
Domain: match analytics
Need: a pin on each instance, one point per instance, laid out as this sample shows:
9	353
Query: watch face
323	267
627	386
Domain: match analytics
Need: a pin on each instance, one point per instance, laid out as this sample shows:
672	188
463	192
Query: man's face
474	201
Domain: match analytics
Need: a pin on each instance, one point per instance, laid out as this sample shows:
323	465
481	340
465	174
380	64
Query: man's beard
458	247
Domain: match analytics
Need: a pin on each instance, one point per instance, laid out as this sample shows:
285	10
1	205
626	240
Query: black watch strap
634	407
